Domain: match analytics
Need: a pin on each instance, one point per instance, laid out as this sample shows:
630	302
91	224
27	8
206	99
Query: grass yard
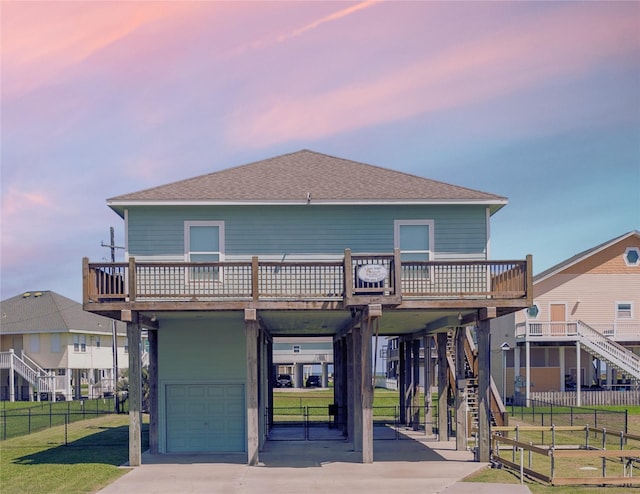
41	463
20	418
566	467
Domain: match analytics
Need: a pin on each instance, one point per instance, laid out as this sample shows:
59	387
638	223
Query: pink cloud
42	39
567	42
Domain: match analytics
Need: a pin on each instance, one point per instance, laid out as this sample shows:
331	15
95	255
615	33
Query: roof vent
26	295
37	294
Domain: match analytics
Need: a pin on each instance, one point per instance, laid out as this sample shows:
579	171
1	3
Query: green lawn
566	466
41	463
20	418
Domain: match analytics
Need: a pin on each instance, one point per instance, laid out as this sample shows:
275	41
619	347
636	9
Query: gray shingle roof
48	311
295	176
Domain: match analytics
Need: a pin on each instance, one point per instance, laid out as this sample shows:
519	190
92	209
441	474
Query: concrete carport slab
317	467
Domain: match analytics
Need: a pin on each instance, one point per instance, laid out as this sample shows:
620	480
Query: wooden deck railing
329	280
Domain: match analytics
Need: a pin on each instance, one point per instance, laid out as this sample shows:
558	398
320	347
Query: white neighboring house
50	347
303	357
583	329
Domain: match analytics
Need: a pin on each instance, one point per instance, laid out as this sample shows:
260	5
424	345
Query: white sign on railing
372	273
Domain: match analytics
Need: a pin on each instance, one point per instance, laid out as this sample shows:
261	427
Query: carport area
416	465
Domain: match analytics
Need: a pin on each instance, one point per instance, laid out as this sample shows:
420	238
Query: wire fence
25	420
546	414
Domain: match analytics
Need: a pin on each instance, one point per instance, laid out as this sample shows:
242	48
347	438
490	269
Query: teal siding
263	230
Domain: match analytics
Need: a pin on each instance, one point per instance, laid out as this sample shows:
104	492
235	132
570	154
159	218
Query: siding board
459	233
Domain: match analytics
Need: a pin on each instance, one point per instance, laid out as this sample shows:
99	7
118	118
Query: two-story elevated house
50	347
299	245
582	331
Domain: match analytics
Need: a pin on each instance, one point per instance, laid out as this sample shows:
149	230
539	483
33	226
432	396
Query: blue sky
536	101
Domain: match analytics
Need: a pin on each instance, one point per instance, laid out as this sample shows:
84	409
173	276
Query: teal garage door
205	418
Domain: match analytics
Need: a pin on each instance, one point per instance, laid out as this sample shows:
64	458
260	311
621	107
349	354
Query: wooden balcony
176	286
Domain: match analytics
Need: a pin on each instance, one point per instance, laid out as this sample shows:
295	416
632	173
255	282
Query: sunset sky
536	101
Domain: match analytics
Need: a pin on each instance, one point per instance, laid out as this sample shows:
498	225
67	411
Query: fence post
66	435
621	440
4	413
530	454
521	465
29	426
586	439
553	464
553	435
626	421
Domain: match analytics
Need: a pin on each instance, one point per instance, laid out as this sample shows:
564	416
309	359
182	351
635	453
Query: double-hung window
414	238
204	243
79	343
623	310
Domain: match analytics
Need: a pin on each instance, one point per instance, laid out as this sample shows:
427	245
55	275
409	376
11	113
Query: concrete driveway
314	467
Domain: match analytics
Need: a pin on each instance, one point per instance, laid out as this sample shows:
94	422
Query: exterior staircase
498	411
608	350
27	368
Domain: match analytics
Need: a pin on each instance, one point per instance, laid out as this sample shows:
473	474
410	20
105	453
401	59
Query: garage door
205	417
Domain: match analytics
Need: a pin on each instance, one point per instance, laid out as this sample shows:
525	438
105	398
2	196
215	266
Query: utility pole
114	332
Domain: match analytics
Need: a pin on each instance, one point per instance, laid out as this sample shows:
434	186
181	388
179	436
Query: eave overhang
494	205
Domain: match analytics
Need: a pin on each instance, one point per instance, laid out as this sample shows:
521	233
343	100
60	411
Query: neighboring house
303	357
300	245
49	344
583	329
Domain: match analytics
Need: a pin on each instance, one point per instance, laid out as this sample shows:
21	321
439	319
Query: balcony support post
403	379
255	273
428	415
366	388
251	390
460	390
135	391
152	335
415	384
484	403
349	388
443	388
132	279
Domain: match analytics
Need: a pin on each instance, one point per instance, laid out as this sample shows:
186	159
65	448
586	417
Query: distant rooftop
47	311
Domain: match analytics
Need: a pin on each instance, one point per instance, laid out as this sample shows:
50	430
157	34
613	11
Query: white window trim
187	247
626	253
189	224
396	234
528	316
616	308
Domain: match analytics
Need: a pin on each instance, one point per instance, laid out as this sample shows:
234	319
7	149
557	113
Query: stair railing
611	351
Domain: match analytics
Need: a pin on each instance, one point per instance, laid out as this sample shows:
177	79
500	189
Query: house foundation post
484	404
402	380
356	390
271	379
443	387
251	389
152	336
460	391
415	384
135	391
337	380
578	376
428	415
349	387
12	377
344	388
366	386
